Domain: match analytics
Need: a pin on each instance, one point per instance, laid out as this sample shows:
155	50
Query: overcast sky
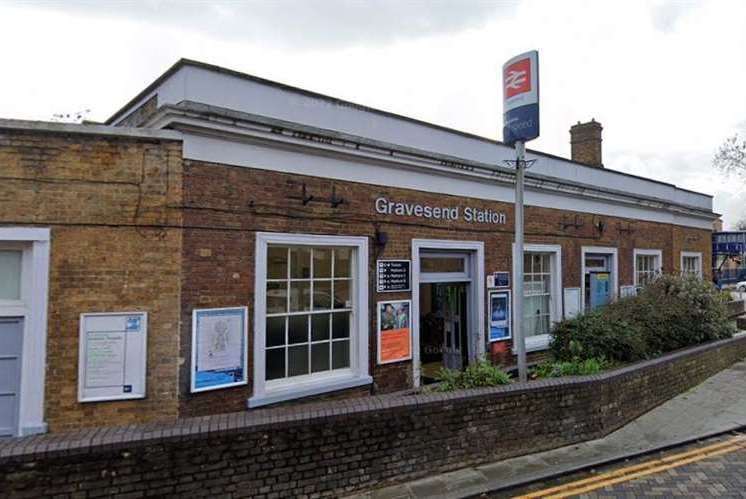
666	79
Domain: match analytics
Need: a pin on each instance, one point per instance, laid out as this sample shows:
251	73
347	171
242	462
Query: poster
394	331
500	316
219	337
112	356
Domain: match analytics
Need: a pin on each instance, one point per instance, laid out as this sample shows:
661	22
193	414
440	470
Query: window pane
322	295
527	262
320	357
342	262
275	363
320	327
341	325
298	329
342	294
300	263
277	297
441	264
298	360
340	354
277	262
300	296
10	275
322	262
275	331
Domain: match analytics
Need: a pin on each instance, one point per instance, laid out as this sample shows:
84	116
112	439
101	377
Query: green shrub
479	374
575	367
670	313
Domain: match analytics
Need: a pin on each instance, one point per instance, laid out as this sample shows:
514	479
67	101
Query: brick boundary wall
335	448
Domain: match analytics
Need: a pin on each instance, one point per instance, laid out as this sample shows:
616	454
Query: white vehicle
741	286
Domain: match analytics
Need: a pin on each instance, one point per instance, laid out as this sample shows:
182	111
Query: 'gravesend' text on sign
468	214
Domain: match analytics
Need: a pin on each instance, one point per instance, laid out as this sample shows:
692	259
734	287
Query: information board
219	338
394	331
500	316
112	356
393	275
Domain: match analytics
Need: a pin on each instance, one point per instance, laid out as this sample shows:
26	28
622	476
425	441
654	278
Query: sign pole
520	168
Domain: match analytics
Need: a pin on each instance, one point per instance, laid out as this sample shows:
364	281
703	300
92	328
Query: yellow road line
639	470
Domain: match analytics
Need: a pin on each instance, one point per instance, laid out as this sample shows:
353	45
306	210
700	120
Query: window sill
308	390
536	343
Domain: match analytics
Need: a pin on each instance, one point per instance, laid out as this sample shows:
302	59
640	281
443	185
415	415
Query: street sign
521	98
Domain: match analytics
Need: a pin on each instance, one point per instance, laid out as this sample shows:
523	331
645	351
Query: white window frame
601	250
295	387
32	307
691	254
645	252
541	342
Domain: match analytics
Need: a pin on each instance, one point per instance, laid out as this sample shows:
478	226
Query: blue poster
500	316
218	348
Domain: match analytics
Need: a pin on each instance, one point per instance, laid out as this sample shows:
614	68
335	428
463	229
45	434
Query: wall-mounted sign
112	356
521	98
394	331
219	338
498	280
499	316
392	275
468	214
627	291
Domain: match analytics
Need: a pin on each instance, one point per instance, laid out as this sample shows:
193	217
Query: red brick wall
224	206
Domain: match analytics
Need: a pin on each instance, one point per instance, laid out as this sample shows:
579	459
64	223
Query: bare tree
731	156
731	160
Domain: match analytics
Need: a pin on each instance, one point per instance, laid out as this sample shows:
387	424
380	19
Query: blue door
600	289
11	344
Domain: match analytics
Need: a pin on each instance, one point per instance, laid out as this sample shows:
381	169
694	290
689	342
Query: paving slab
717	405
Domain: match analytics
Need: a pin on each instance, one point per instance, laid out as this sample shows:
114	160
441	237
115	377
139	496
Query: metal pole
520	343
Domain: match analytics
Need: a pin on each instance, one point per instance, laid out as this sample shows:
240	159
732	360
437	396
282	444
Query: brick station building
213	189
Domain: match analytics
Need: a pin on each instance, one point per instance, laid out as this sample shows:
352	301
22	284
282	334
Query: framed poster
219	338
499	308
394	331
112	356
392	275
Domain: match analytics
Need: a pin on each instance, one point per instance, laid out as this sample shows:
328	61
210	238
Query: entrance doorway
11	344
599	277
448	318
444	328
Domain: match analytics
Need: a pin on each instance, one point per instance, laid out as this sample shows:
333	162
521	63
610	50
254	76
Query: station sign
393	275
521	98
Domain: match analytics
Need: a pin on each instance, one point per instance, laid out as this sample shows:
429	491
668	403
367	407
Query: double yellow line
639	470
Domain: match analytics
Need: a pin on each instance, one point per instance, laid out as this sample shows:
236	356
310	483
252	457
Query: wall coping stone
121	438
89	129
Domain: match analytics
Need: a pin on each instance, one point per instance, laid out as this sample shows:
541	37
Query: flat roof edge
246	76
100	130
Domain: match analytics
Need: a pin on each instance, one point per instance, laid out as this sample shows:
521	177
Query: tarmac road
712	468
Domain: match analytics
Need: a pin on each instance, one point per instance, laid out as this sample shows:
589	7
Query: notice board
394	331
219	337
112	356
393	275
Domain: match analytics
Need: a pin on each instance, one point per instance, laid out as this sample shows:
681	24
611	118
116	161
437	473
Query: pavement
716	406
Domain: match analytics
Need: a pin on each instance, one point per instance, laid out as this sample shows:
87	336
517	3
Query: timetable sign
393	275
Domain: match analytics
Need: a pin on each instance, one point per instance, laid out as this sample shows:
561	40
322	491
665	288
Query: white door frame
33	309
477	296
602	250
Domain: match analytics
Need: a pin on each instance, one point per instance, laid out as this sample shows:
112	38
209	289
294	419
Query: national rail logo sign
521	98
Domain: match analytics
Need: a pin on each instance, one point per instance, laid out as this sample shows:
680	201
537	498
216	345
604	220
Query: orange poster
394	331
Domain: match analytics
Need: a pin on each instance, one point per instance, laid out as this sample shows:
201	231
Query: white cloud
666	79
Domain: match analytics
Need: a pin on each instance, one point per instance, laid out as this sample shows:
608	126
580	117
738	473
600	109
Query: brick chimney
585	139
